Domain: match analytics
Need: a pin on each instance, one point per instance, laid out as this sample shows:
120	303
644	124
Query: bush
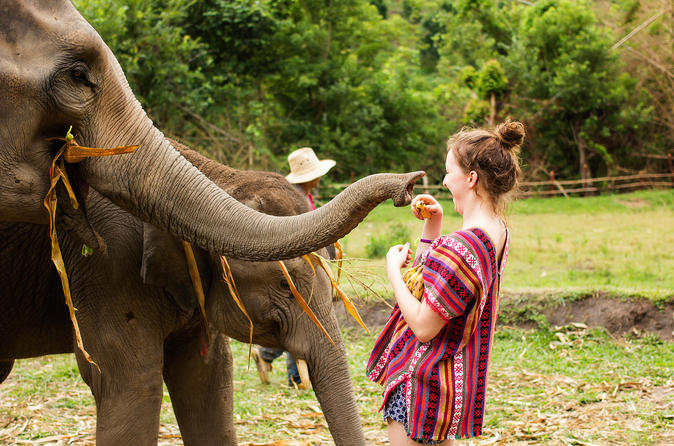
378	246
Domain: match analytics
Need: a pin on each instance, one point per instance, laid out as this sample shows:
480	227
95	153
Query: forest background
379	85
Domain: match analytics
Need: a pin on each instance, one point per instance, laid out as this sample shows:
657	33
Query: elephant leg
128	389
5	369
201	389
128	404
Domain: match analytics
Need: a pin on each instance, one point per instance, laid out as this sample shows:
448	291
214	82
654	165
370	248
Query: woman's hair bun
510	133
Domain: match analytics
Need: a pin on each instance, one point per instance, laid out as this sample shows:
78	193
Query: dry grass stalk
348	303
300	300
73	153
229	280
196	282
362	271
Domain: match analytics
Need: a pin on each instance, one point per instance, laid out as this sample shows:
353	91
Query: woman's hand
432	208
398	257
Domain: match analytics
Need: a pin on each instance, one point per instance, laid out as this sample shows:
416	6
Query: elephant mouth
55	143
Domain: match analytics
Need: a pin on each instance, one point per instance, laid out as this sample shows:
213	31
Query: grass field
569	386
621	243
552	386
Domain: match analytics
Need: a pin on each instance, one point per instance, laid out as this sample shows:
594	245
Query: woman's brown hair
494	155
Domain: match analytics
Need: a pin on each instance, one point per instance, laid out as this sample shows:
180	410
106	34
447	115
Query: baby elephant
278	320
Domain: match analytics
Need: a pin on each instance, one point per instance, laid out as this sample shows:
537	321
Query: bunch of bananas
414	280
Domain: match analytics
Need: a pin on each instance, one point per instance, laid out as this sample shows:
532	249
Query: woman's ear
472	179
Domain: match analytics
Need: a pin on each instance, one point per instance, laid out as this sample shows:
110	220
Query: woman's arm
422	320
432	224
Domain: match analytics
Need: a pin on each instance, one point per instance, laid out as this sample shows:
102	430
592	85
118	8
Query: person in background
433	353
306	171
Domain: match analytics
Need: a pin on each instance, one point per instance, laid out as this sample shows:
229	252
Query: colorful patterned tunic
445	379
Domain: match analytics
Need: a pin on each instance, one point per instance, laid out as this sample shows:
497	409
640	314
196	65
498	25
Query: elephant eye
284	284
80	73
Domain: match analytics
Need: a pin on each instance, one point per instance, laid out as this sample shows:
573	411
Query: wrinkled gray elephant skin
56	72
141	334
278	320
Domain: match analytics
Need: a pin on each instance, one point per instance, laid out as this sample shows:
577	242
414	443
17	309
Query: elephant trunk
160	186
330	379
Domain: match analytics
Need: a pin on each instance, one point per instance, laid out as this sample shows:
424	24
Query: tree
332	75
474	32
571	86
646	45
491	84
157	57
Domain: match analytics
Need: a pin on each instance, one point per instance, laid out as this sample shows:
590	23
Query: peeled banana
420	206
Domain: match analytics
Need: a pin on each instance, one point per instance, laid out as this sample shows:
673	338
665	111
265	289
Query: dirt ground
617	315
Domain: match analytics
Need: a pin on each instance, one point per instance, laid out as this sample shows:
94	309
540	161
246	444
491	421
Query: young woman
432	356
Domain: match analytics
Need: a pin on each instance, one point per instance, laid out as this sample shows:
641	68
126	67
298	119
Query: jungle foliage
379	85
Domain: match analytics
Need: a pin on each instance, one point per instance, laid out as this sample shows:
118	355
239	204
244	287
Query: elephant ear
164	265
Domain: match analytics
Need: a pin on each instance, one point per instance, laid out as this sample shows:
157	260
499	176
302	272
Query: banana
420	206
418	287
416	284
412	276
414	280
409	273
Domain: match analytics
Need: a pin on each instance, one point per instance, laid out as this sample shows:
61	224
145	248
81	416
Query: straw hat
305	166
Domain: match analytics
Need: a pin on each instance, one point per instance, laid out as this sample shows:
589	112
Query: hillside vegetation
379	85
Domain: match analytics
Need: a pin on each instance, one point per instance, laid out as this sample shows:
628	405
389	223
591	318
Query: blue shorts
396	410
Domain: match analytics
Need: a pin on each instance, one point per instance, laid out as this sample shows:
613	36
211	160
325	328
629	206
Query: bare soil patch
618	315
634	203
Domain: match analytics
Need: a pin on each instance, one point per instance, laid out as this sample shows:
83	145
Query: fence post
671	165
552	180
586	175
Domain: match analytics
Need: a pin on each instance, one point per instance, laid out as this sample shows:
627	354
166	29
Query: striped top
445	379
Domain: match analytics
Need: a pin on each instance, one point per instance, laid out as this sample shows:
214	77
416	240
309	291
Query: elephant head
56	72
278	320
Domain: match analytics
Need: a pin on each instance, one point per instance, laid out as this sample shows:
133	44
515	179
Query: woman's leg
398	437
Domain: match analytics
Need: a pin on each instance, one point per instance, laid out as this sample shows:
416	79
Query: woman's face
457	181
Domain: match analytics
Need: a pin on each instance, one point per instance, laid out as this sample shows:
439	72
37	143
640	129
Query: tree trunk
492	110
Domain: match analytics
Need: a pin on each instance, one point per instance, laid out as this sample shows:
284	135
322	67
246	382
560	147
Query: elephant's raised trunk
174	195
160	186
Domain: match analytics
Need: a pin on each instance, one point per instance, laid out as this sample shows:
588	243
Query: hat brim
323	167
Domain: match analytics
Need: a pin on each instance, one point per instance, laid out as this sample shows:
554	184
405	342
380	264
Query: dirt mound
617	315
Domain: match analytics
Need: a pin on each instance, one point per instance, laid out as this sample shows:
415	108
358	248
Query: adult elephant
278	320
139	318
56	72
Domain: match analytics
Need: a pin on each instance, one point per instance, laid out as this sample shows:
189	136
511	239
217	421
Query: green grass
622	244
557	386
